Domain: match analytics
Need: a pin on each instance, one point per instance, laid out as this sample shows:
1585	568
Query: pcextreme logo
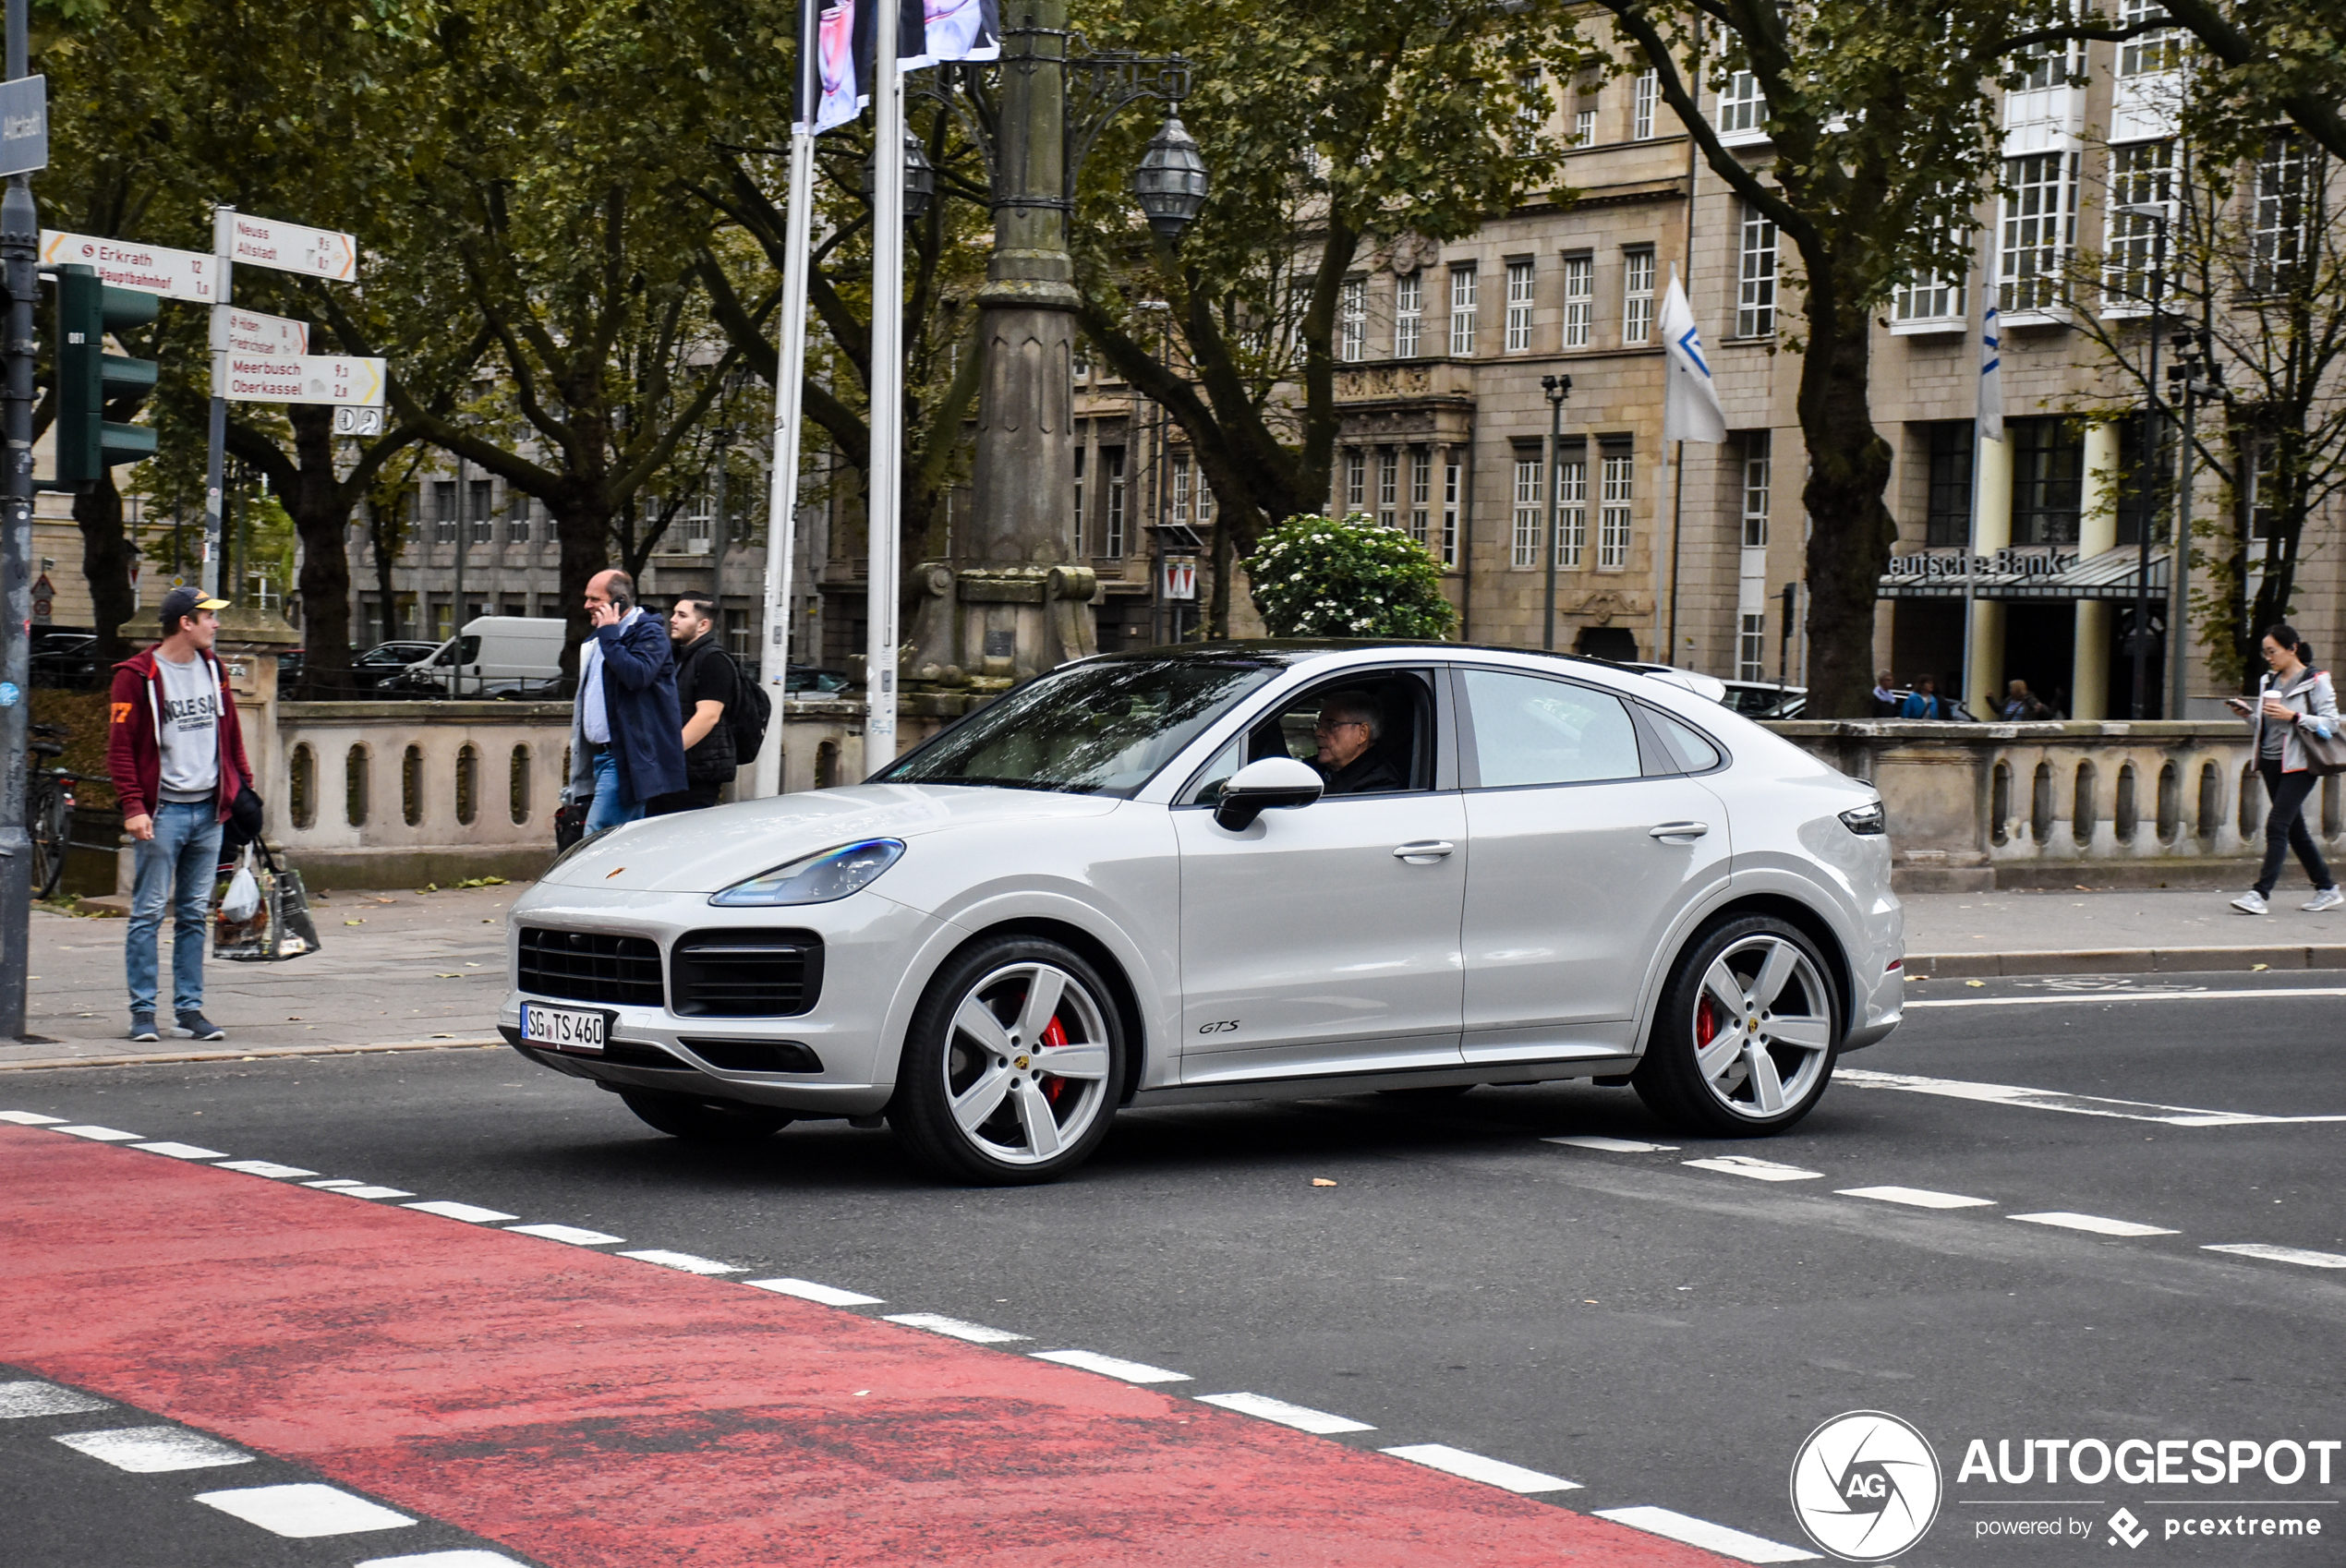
1866	1486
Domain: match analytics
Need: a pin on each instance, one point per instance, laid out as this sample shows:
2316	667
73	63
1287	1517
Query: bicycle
48	810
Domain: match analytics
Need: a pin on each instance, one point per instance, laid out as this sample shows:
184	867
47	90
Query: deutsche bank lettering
2168	1462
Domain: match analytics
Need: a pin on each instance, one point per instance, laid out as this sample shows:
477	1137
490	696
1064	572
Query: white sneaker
2252	902
2328	898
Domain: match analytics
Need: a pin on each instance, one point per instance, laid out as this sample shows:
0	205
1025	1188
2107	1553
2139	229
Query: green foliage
1316	577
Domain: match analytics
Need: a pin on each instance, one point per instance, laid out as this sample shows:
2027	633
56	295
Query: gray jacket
2313	696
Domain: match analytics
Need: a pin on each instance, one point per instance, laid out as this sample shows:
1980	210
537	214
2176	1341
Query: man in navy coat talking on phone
624	746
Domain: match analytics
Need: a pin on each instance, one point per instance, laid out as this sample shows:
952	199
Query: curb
2122	961
165	1058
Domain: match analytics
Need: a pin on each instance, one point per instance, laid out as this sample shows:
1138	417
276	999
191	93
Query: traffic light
88	444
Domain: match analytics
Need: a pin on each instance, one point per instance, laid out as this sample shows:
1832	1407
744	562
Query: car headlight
817	878
1866	819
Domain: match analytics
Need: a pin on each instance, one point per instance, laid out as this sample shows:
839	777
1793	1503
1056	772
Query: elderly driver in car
1352	724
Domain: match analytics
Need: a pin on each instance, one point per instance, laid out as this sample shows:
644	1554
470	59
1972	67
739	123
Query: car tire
1744	1041
705	1121
976	1101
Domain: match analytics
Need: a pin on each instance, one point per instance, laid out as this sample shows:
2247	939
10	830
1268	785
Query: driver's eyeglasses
1330	726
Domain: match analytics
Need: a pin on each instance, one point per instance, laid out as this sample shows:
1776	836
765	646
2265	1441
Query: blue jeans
176	866
610	809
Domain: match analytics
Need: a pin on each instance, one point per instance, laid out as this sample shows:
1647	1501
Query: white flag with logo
1991	375
1690	410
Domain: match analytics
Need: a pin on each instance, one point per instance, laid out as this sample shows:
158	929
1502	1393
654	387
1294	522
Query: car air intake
753	1055
587	966
748	974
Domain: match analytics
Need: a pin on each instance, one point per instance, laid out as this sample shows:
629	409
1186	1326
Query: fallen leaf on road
353	922
448	977
1976	983
1321	1181
2256	967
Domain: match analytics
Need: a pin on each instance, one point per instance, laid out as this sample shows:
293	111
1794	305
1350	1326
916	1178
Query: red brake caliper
1706	1023
1053	1036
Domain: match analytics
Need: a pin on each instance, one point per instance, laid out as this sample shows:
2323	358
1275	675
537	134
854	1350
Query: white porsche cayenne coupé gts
1236	871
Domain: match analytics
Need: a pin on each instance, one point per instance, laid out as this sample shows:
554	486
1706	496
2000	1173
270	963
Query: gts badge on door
1225	1027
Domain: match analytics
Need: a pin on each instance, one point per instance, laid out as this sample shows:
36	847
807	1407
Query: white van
493	648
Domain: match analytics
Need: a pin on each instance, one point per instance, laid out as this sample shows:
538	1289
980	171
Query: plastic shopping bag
242	900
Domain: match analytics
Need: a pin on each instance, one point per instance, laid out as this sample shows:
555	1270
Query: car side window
1692	753
1532	731
1370	733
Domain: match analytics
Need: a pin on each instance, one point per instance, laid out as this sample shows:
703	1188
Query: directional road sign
248	332
314	378
24	125
291	247
154	269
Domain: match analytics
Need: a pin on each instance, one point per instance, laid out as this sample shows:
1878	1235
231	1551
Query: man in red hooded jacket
177	754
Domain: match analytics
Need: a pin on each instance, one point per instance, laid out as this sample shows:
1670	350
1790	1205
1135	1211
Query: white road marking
1603	1145
807	1290
1706	1534
2106	997
181	1150
1757	1169
1302	1418
445	1559
1474	1467
331	1183
470	1213
2279	1254
29	1119
571	1234
101	1134
374	1192
2094	1222
304	1510
269	1168
1111	1366
2075	1104
151	1451
1918	1197
937	1322
21	1399
684	1261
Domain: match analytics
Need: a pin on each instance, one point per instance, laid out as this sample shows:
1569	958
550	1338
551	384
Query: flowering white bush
1317	577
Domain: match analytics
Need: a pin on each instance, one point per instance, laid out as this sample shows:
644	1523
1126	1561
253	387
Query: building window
1409	313
2263	467
2048	65
1352	320
1741	110
2151	52
1079	497
2142	173
1580	300
1947	510
2134	497
1450	491
700	522
1519	283
2279	228
481	491
1181	487
737	634
1751	647
1637	294
1929	298
2048	480
1356	479
1388	484
443	512
1112	511
1643	97
1527	513
1204	498
1534	110
1757	449
1755	274
2039	229
1613	513
1572	512
1420	493
1584	128
1462	295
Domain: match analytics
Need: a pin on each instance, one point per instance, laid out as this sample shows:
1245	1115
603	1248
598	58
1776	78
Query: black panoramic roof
1299	650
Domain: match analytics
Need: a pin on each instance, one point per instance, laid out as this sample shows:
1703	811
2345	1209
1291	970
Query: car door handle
1425	852
1679	830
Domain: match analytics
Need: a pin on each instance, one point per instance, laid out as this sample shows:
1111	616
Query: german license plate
565	1029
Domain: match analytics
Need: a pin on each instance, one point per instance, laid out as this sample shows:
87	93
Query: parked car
561	689
61	657
386	661
1957	712
1766	699
492	648
805	680
1121	885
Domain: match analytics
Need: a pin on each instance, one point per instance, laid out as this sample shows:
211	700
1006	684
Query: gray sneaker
2252	902
2328	898
142	1028
195	1026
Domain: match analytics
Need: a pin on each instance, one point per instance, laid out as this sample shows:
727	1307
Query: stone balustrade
2102	803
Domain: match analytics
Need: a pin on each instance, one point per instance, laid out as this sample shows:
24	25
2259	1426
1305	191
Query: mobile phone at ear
620	603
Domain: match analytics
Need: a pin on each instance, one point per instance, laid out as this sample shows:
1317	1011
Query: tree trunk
106	556
582	528
320	507
1852	530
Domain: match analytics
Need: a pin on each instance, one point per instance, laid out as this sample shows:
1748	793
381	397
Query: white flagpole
884	495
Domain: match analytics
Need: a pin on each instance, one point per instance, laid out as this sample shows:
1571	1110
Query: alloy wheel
1763	1026
1026	1063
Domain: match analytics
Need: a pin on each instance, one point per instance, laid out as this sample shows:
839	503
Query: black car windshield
1099	728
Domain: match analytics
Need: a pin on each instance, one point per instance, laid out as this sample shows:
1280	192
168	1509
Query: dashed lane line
181	1150
152	1451
472	1213
574	1235
1916	1197
2075	1104
956	1327
269	1168
824	1295
1475	1467
1111	1366
2279	1254
305	1509
2093	1224
686	1263
2037	999
1754	1167
101	1134
1710	1536
30	1118
446	1559
1613	1145
22	1401
1303	1419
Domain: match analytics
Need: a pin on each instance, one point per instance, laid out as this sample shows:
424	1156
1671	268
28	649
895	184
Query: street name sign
291	247
248	332
152	269
311	378
24	125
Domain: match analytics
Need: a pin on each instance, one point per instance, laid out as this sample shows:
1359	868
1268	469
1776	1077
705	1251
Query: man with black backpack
712	698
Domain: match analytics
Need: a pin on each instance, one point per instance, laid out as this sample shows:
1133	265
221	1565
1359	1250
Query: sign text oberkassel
317	378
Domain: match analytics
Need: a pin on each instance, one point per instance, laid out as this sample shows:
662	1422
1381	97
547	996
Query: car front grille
588	966
748	973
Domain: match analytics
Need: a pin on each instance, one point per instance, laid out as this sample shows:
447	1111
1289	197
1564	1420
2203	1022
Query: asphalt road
1662	1334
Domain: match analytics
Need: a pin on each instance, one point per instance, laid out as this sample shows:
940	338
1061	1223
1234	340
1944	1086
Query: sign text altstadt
289	247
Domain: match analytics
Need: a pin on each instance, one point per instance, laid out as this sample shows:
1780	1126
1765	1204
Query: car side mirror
1262	785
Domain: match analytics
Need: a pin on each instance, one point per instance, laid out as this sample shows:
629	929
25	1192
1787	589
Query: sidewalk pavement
406	970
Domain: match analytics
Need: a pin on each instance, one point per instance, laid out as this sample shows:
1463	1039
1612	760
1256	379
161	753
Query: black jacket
1370	773
705	673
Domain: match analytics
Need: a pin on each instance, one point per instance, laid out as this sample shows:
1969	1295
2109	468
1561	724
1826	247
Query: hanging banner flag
1991	375
1690	410
957	30
836	51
